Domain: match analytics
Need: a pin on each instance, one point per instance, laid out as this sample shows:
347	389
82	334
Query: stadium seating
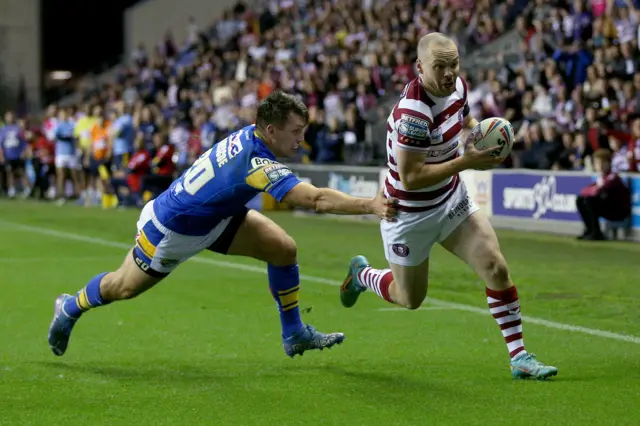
565	77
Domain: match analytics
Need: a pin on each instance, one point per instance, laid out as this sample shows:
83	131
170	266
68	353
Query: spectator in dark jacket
608	198
330	143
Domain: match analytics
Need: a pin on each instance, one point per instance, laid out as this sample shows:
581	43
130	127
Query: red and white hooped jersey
429	125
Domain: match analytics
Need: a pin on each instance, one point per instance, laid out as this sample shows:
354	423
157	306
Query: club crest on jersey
413	127
401	250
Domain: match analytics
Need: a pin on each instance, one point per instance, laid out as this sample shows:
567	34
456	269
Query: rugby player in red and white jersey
50	124
423	137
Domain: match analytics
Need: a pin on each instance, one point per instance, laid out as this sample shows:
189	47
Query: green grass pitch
203	348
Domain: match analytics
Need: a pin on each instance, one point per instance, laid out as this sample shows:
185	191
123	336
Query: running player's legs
261	238
407	245
410	279
475	242
470	236
410	284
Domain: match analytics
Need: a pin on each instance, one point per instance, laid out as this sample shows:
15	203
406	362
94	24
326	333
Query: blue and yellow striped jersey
221	182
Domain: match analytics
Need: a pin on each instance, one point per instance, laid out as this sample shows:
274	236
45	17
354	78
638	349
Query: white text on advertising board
540	199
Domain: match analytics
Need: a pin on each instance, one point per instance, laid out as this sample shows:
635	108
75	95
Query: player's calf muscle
408	301
127	282
409	287
113	287
410	296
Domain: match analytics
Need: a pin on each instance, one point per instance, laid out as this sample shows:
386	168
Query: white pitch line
319	280
422	308
52	259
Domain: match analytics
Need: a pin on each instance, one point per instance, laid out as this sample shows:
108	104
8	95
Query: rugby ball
490	132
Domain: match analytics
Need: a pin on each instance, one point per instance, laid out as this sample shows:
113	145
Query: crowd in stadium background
573	88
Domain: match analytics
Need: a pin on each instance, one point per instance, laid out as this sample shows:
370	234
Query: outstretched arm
326	200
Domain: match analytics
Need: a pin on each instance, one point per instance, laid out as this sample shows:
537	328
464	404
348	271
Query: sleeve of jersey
414	131
275	179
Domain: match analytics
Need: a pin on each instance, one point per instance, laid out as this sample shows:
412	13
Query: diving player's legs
262	239
139	271
126	282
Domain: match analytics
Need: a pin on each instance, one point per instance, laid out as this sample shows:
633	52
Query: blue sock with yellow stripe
284	282
87	298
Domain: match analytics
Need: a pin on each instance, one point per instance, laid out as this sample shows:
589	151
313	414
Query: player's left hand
384	207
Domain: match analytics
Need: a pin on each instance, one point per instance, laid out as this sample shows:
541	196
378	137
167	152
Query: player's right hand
384	207
482	159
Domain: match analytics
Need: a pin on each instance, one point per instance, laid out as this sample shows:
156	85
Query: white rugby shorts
159	251
64	161
409	240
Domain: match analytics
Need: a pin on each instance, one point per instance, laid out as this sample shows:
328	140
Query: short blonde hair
602	155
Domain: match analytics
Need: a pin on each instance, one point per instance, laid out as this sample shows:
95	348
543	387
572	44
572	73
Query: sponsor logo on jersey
221	153
461	208
413	127
259	161
436	136
432	153
227	149
234	147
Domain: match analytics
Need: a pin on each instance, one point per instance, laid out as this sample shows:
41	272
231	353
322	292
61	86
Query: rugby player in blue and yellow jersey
205	209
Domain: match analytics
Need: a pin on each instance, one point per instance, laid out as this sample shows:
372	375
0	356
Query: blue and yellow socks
284	282
87	298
